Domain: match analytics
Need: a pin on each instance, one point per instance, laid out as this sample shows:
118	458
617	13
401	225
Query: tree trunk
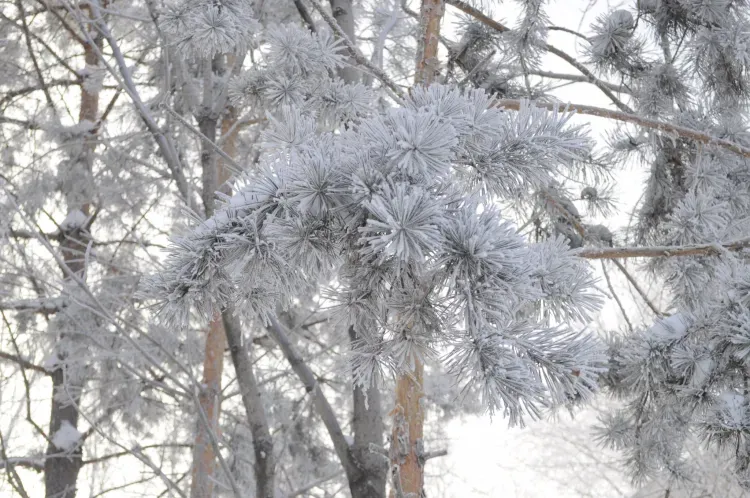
61	468
204	458
367	416
368	428
343	13
428	64
407	447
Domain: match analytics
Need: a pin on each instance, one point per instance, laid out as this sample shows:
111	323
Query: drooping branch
638	288
616	297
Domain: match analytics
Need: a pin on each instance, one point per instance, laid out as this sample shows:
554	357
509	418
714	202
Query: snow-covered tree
371	213
395	214
684	376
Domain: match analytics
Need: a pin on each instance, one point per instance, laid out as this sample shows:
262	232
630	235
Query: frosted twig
303	490
203	137
616	297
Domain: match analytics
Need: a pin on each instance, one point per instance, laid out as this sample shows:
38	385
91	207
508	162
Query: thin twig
578	78
203	137
303	490
637	288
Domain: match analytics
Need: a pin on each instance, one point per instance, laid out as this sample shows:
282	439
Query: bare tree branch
35	464
324	409
616	297
22	362
303	490
577	77
45	306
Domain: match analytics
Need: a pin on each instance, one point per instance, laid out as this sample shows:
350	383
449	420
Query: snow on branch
590	77
624	115
44	306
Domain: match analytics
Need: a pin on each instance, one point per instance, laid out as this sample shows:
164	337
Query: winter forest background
374	248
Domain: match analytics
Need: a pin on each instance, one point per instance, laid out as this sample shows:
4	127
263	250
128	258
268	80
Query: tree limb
22	362
653	124
44	306
716	249
324	409
34	464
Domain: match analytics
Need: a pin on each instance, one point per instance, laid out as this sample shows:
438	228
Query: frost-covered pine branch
392	211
